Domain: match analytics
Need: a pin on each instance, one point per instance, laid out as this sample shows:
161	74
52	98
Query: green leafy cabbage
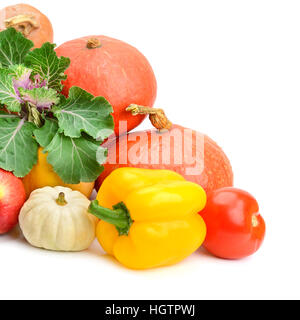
34	113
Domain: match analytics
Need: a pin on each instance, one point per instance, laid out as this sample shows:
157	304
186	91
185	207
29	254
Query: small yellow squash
42	175
57	219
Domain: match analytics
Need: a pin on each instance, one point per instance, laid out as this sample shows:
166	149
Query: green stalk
119	216
34	115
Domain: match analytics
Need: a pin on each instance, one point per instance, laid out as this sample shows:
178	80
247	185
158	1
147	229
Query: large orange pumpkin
113	69
147	149
31	22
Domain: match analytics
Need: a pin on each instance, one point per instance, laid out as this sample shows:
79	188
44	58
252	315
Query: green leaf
18	148
74	159
45	134
13	47
42	98
44	61
82	112
8	95
19	71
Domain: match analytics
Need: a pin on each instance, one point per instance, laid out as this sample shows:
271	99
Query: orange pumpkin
113	69
28	20
147	149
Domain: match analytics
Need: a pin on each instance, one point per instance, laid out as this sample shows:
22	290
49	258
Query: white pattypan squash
57	219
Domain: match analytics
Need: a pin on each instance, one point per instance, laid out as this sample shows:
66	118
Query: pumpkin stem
157	117
61	200
22	23
255	222
93	43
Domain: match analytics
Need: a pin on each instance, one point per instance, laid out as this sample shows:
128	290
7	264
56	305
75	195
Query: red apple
12	198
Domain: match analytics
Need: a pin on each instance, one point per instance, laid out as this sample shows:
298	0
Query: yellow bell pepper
43	175
149	217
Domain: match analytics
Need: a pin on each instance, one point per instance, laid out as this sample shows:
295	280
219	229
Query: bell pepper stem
119	216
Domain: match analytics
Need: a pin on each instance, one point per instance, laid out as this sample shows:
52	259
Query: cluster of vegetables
57	109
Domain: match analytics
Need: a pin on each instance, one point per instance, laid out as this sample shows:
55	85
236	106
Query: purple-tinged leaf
41	98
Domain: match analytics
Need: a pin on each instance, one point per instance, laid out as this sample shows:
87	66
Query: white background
230	69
